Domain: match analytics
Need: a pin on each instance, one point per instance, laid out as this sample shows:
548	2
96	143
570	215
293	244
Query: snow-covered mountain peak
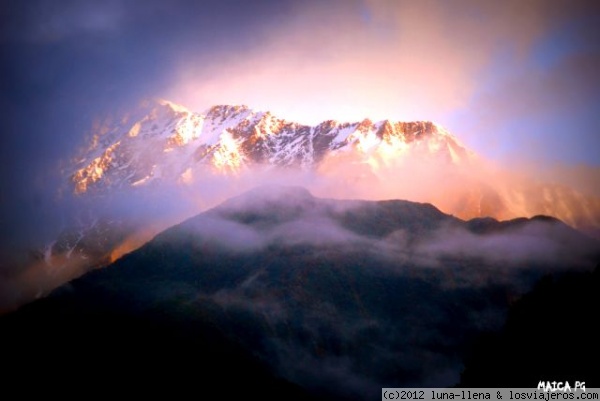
177	108
168	142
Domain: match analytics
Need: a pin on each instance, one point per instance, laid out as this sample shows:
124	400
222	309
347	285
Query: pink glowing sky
513	79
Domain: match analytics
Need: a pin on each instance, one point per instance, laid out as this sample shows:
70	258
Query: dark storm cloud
53	21
67	63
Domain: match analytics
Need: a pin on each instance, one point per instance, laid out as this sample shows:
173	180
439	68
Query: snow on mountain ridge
168	142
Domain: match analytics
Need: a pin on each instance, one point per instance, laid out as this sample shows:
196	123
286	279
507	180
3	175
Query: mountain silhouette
277	293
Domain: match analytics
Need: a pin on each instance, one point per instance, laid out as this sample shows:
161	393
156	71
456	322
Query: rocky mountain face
168	143
285	293
164	145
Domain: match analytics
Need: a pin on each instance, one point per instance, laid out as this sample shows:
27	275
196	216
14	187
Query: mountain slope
572	298
340	298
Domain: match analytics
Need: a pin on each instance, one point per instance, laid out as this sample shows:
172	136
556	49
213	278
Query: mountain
161	163
168	147
169	142
280	291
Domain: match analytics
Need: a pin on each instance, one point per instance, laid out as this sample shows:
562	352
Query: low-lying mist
38	262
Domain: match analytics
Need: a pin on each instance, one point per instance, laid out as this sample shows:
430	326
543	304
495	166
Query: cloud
474	67
307	61
405	60
276	215
45	22
518	248
541	115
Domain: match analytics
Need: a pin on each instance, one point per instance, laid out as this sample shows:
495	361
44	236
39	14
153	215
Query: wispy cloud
471	65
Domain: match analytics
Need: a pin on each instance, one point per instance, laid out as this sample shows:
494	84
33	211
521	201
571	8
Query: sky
516	81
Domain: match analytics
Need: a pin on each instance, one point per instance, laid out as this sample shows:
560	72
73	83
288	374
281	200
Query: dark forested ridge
550	335
281	294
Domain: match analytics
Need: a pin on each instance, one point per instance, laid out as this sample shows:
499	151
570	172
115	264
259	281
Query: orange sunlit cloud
465	64
398	60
